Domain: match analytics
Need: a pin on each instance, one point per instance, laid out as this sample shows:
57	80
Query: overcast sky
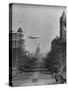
37	20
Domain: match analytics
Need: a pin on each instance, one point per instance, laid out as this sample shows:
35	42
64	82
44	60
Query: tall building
17	38
37	53
58	46
16	45
63	26
62	39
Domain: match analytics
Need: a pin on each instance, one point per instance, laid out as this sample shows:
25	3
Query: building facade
16	46
63	26
17	38
58	46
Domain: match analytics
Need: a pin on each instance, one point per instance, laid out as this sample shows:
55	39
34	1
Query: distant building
37	53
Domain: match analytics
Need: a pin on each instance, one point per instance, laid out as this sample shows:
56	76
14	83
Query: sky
37	20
